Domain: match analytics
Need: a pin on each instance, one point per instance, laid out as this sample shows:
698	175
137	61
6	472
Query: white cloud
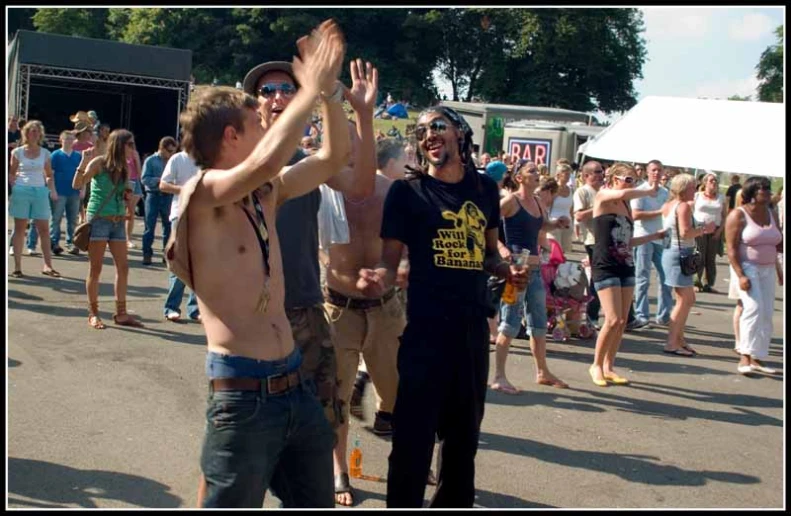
751	27
675	22
726	88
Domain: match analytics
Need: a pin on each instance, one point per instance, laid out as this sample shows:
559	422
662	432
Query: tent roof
102	55
723	135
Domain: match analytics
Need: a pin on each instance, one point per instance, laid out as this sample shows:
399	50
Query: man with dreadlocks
447	214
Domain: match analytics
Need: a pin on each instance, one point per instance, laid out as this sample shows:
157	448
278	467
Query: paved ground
115	418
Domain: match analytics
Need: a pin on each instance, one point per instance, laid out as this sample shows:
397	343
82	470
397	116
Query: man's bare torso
365	247
228	268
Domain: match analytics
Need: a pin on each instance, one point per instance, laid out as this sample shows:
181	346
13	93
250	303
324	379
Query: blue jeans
157	206
532	302
644	256
175	293
256	441
70	205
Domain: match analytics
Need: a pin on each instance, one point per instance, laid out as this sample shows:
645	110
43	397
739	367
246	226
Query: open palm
365	83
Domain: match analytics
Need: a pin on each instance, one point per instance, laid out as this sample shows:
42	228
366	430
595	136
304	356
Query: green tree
770	71
88	23
737	97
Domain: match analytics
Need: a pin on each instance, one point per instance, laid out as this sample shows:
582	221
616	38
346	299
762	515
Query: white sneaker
10	251
745	369
173	316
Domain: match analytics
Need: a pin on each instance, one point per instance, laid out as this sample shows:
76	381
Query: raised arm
88	167
610	194
357	182
317	70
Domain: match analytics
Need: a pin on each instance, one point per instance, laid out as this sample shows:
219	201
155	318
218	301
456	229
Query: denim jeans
70	205
644	256
175	293
157	206
532	303
256	441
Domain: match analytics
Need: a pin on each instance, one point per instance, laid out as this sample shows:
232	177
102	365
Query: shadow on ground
50	483
643	469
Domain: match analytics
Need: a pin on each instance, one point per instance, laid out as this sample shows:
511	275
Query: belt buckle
270	388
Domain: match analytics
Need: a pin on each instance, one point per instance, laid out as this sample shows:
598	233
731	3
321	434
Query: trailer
488	121
545	143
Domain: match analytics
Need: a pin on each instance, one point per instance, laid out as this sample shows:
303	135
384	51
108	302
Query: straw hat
80	116
82	126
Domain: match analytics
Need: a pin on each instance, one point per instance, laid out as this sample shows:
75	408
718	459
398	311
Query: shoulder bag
692	263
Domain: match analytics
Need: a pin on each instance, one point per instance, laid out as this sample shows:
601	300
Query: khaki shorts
373	333
313	338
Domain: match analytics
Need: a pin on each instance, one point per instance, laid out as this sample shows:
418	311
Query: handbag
82	233
692	263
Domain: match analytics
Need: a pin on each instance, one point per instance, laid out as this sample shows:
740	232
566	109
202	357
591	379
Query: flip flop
342	486
678	352
504	389
694	353
52	273
560	384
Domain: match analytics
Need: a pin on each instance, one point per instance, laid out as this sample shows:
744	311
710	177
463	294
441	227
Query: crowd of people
320	256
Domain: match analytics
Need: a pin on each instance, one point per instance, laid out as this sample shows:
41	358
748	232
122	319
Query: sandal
342	486
95	322
120	311
52	273
17	274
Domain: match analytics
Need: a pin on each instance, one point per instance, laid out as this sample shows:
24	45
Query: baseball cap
251	79
496	170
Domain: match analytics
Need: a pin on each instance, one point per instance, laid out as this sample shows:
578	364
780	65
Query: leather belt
338	299
275	384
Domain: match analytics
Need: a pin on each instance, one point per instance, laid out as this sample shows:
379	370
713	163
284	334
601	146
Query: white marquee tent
723	135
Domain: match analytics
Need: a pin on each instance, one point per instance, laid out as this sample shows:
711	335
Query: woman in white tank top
709	206
30	173
561	207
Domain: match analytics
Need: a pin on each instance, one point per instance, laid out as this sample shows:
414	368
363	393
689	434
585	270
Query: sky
702	52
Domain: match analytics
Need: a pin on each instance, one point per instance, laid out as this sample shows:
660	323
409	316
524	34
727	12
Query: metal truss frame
28	71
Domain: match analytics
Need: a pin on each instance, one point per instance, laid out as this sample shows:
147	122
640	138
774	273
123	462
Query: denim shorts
614	282
30	202
532	302
136	186
104	229
671	263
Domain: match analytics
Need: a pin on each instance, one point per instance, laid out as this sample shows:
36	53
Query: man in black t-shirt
732	191
447	214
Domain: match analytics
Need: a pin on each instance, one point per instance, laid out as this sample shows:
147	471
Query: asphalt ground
115	418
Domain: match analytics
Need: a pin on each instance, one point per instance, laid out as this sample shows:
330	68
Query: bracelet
336	96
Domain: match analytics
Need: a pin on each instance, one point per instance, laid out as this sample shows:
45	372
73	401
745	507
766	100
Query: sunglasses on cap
437	126
626	179
270	90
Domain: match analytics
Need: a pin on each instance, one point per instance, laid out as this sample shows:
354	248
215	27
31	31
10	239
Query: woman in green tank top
106	211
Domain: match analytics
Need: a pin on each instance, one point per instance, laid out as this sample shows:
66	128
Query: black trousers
709	247
443	364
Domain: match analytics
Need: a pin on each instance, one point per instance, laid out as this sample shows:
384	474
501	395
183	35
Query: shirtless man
265	426
367	326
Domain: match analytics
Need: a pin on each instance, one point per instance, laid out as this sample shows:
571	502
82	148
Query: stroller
567	296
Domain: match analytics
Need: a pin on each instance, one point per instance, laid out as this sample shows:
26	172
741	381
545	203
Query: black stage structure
137	87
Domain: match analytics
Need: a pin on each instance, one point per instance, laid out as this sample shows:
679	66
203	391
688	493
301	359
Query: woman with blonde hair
562	204
30	174
109	178
612	265
679	223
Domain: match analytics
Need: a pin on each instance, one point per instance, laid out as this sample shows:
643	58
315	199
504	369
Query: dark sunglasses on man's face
437	126
270	90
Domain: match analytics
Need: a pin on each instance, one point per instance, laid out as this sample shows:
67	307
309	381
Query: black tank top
612	251
522	229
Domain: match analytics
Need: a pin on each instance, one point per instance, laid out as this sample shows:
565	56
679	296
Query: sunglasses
626	179
437	126
270	90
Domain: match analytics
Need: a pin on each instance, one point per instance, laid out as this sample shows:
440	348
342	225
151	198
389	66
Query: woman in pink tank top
754	240
133	165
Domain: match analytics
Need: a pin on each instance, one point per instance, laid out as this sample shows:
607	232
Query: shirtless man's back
265	427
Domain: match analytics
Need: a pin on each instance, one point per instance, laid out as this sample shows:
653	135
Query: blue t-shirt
63	169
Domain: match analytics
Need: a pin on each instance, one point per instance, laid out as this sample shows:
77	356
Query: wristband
336	96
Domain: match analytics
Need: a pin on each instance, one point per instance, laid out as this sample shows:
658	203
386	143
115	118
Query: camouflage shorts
312	337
